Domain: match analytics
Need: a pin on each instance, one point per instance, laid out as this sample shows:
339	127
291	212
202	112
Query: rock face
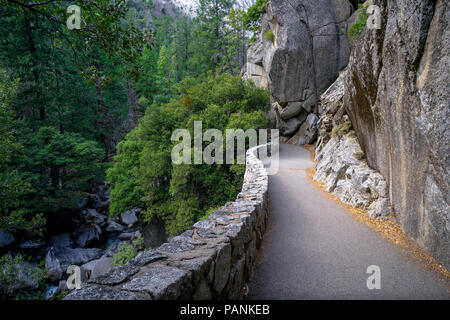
309	47
339	158
212	261
398	102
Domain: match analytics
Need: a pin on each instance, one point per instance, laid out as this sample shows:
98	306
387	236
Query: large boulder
31	244
398	102
6	238
301	49
88	235
61	240
58	259
97	267
307	133
114	227
91	216
130	217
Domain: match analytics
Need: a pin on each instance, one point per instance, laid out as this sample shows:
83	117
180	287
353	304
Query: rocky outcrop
308	48
398	102
340	162
212	261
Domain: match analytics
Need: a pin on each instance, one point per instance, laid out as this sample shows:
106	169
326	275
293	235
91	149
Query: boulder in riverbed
91	216
114	227
6	238
97	267
59	259
88	235
130	217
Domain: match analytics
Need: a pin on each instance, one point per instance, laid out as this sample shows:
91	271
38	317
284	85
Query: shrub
269	35
252	18
341	129
128	251
125	253
20	280
359	155
351	133
360	23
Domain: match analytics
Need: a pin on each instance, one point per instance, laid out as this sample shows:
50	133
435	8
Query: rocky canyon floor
314	249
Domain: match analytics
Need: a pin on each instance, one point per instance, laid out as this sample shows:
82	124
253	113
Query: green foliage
128	251
15	274
269	35
102	24
143	175
356	28
72	163
208	213
341	129
67	97
359	155
62	95
351	133
252	18
61	296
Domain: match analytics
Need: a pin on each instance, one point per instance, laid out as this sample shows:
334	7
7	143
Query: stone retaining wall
214	260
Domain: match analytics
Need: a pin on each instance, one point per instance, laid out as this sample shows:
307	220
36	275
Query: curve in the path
313	249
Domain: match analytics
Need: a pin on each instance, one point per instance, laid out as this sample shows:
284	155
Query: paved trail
313	249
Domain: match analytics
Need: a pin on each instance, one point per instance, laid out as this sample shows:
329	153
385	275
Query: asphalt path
314	249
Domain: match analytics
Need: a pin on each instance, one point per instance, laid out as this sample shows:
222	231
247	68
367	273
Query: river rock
129	217
59	259
114	227
31	244
126	236
6	238
91	216
113	248
61	240
83	203
97	267
88	235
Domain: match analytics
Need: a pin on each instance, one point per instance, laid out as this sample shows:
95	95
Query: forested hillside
68	97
